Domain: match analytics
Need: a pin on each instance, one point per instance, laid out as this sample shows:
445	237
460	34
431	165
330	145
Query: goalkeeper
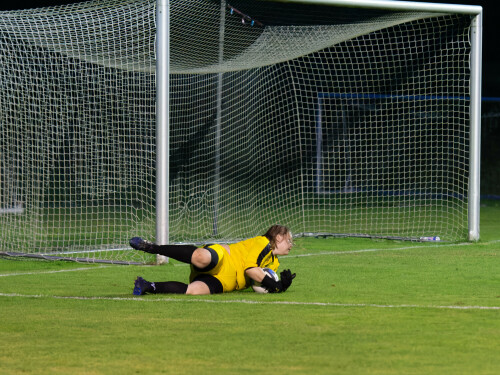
222	268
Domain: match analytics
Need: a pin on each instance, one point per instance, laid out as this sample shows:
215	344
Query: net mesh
329	120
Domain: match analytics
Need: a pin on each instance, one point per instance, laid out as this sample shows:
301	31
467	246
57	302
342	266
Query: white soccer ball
257	288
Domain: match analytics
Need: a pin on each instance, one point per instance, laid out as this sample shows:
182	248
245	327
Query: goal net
331	120
9	204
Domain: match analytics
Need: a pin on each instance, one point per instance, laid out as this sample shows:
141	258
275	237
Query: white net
329	120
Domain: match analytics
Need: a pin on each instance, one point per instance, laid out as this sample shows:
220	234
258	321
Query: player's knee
201	258
205	259
197	288
195	293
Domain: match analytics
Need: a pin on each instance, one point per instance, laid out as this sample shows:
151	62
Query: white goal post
197	121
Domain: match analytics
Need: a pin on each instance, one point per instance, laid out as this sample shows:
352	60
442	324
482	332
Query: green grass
357	306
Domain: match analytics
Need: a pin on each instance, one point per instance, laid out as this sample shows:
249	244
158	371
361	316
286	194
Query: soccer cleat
140	244
141	286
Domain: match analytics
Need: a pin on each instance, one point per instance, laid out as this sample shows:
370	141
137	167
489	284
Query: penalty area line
253	302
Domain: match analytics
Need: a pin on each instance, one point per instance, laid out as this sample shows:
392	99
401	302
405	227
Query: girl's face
283	244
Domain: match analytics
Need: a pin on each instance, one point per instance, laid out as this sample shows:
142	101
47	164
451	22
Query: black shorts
213	284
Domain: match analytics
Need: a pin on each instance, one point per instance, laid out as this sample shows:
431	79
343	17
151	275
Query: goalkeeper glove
274	286
286	278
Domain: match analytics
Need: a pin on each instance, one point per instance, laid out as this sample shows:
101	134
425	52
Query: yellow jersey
253	252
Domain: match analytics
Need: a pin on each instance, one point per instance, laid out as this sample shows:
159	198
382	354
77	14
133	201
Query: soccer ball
257	288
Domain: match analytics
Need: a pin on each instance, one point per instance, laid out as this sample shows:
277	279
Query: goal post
162	124
474	192
203	121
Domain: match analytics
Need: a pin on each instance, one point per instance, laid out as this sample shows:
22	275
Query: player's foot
141	286
140	244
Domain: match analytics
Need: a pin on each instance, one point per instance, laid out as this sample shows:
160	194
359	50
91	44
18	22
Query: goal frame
139	128
162	214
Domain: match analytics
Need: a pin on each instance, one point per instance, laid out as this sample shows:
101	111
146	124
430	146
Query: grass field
357	306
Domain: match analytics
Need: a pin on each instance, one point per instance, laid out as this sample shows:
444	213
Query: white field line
249	302
55	271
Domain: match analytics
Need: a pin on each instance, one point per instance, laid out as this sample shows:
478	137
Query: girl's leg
204	284
197	288
201	285
142	286
201	258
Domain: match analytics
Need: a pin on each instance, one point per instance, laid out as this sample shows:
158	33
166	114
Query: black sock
182	253
173	287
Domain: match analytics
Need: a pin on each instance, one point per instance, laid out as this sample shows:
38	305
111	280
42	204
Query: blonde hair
273	232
